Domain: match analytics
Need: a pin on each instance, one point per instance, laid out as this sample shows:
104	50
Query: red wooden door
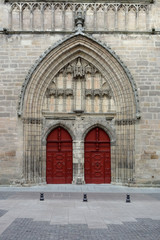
59	157
97	163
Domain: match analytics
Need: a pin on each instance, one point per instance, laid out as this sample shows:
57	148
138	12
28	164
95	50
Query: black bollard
85	197
41	196
128	198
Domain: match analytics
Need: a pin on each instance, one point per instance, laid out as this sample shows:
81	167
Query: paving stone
63	215
25	228
5	195
2	212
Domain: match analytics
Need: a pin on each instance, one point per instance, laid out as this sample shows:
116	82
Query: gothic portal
79	88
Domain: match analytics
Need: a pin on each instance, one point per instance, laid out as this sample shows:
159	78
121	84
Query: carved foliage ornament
59	92
98	92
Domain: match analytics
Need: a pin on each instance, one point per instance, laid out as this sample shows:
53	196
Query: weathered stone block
10	153
4	114
154	156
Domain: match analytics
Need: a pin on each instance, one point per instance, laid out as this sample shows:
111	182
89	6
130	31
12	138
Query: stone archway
95	77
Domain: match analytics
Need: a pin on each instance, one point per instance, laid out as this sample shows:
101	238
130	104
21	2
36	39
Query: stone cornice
87	1
10	32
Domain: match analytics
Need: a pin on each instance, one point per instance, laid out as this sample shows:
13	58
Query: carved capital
89	92
69	92
60	92
107	93
97	92
50	92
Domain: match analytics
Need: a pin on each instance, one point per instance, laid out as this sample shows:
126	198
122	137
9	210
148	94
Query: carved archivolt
105	65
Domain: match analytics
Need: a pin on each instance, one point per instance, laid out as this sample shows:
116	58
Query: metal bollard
85	197
41	196
128	198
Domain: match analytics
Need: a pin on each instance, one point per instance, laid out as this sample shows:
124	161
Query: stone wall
140	53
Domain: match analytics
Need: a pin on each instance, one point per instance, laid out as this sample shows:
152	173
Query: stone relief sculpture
79	21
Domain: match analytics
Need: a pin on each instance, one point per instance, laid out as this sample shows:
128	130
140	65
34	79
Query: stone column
78	162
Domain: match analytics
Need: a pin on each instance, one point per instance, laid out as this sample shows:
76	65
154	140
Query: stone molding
124	122
59	92
32	120
107	126
49	126
87	1
98	92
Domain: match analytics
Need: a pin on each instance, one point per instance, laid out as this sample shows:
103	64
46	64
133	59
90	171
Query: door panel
97	157
59	157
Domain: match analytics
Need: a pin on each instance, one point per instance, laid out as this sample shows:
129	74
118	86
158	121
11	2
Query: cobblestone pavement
27	229
64	215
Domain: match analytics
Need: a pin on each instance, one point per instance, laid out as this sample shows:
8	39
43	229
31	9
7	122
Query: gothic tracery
79	86
60	16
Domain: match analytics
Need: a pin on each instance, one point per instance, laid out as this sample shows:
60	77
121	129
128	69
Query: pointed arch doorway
40	94
97	163
59	157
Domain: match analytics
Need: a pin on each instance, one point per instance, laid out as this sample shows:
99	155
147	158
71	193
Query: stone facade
80	65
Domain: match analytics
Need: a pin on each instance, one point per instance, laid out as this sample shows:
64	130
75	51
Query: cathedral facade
80	92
